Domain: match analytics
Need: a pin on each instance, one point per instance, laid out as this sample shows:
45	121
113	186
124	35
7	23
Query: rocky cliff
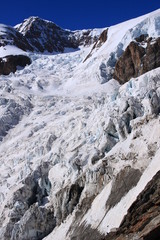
46	36
139	57
142	220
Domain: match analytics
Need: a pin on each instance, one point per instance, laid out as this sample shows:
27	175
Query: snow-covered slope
12	42
77	148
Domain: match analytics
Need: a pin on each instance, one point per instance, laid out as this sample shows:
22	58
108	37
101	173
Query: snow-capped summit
46	36
32	21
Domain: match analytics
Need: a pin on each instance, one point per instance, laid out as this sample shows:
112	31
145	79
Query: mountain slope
9	36
47	36
77	147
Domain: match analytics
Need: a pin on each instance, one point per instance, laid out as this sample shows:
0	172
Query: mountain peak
45	35
34	22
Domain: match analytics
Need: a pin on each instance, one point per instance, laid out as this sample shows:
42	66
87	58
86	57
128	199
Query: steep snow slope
69	143
9	49
12	40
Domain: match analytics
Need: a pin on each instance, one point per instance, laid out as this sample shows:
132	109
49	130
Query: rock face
47	36
9	36
11	63
85	37
99	42
124	181
142	221
138	59
152	58
12	50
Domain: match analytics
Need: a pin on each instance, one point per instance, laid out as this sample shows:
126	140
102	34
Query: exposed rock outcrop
10	64
85	37
138	59
142	221
46	36
124	181
10	36
100	41
152	57
86	233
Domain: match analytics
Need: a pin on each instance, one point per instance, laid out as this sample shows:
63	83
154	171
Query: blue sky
74	14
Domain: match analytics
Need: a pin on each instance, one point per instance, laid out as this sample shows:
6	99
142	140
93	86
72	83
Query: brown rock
102	39
142	221
141	38
129	64
125	180
10	63
152	58
84	38
103	36
46	36
137	60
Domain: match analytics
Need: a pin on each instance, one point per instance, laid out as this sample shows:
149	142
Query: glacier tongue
74	151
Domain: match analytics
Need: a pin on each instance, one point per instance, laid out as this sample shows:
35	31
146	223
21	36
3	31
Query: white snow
10	50
60	232
97	216
112	219
97	212
69	102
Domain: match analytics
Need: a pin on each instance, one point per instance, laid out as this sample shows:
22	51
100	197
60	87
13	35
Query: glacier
77	147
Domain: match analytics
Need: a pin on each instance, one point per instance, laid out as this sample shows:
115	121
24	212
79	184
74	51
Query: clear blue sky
73	14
